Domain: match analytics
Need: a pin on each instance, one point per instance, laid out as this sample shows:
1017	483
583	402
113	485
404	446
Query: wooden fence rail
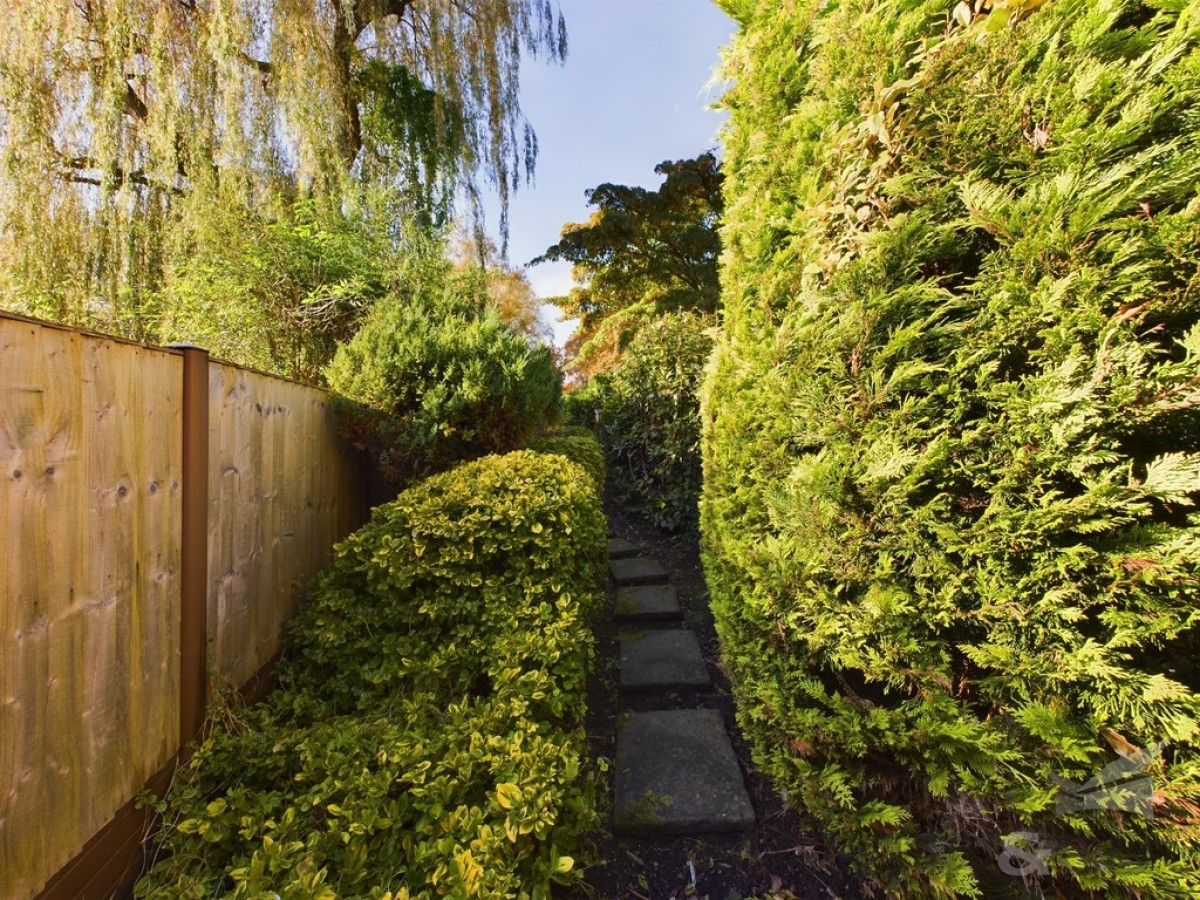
159	513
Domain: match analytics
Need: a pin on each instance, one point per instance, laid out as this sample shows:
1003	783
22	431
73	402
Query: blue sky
632	94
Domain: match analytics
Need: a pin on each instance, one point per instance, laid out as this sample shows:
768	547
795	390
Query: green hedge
950	433
650	420
431	379
427	739
646	413
578	445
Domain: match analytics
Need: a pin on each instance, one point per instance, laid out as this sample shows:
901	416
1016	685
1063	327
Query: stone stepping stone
647	603
619	548
662	660
637	570
676	774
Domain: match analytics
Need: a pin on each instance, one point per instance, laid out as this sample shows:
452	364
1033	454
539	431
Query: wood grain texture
283	489
89	529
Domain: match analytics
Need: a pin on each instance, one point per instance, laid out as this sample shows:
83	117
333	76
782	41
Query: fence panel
92	629
90	468
283	488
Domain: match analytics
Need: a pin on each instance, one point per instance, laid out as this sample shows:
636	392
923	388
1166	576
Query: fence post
193	674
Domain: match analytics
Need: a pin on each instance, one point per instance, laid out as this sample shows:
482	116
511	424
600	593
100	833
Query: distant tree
641	254
118	112
506	287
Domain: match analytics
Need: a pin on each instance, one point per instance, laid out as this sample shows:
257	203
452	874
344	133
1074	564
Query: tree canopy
506	287
642	252
117	113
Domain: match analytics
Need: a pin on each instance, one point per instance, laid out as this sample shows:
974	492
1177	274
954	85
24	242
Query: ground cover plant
427	739
950	435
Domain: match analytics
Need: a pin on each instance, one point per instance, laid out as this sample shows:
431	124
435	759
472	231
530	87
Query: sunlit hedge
951	435
577	444
427	741
433	378
646	414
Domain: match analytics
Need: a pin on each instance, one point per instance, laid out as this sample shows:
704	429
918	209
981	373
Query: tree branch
76	168
368	12
262	65
134	105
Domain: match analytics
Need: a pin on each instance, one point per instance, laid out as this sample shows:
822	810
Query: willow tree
120	116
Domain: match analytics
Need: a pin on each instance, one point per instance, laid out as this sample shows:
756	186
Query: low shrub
580	407
427	739
433	378
951	429
650	419
578	445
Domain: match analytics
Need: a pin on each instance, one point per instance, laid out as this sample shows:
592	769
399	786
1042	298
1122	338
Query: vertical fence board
89	511
283	490
91	456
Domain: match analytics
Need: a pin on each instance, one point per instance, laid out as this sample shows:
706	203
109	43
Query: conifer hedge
435	377
951	432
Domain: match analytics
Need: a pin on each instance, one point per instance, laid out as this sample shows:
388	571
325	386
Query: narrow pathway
676	772
662	713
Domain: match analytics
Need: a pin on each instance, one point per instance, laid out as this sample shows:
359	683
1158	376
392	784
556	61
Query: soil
780	859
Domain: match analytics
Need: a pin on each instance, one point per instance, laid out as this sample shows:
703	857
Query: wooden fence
159	514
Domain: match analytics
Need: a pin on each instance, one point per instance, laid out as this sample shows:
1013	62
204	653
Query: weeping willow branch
135	105
77	170
248	102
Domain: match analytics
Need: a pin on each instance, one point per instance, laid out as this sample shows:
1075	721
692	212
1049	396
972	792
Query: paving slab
647	603
662	660
637	570
676	774
619	548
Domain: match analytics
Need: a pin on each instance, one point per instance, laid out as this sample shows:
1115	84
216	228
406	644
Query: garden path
675	770
659	687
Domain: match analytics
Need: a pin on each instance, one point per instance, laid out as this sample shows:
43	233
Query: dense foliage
426	742
277	292
641	254
951	431
434	376
647	417
123	118
508	287
578	445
